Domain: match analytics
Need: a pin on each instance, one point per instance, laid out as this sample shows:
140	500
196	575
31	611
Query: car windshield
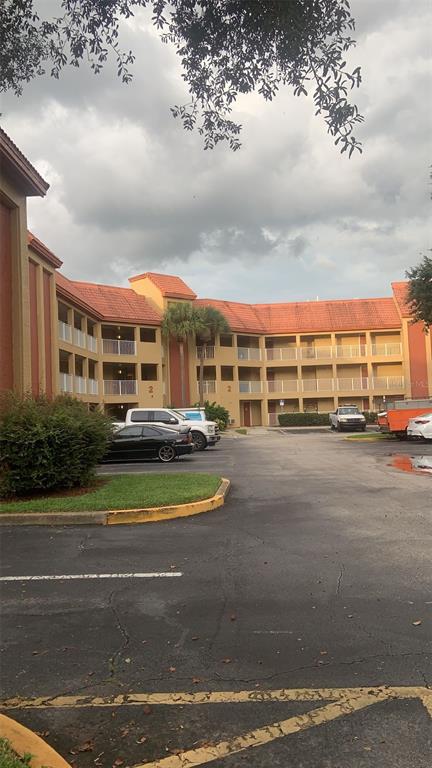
180	415
349	410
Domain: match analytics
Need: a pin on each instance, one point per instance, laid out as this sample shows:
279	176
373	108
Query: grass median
123	492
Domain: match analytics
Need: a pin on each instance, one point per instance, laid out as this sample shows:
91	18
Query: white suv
204	433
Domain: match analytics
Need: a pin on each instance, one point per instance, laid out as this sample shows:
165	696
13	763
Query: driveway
309	592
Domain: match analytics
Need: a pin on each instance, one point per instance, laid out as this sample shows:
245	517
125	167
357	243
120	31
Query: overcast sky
284	218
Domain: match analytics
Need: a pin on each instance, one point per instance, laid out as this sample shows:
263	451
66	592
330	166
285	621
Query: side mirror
173	420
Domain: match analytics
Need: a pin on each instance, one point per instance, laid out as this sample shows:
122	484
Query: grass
242	431
371	436
9	758
125	492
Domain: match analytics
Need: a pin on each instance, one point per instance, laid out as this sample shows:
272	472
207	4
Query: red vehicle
395	418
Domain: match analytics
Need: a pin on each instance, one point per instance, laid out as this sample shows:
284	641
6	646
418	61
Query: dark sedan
143	442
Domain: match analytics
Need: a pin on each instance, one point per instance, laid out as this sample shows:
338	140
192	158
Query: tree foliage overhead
226	47
420	291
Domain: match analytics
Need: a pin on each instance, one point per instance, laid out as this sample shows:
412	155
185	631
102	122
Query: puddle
418	465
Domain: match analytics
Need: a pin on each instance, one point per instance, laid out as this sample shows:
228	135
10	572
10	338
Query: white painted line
272	632
68	576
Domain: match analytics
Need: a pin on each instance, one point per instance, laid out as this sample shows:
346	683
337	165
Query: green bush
217	413
48	444
315	419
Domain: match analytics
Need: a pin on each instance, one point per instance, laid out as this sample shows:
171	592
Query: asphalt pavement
292	627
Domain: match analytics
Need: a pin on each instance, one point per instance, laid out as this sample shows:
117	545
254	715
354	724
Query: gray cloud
286	217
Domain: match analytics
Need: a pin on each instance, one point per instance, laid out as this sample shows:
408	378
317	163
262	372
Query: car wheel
199	441
363	429
338	427
166	453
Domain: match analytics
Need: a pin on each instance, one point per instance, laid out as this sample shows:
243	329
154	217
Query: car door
165	419
152	440
127	444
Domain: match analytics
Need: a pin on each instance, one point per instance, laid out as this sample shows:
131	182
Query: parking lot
296	629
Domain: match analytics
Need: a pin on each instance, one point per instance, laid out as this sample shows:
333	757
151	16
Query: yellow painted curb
156	514
24	741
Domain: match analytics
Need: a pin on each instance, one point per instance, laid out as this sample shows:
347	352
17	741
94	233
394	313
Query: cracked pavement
313	575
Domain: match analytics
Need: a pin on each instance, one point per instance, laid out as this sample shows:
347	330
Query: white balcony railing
120	387
64	331
248	353
118	347
92	387
353	350
209	387
66	382
91	343
251	387
80	338
80	385
314	353
207	352
386	349
281	353
318	385
352	385
388	382
283	385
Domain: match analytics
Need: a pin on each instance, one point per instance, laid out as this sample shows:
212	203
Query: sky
285	218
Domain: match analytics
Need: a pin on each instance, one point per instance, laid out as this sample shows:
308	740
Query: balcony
317	385
248	353
343	350
91	343
80	338
120	387
92	387
66	382
205	353
251	387
281	353
314	353
386	349
64	333
209	387
352	385
389	382
282	385
118	347
80	385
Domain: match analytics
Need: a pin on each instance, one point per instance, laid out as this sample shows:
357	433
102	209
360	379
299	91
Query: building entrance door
247	414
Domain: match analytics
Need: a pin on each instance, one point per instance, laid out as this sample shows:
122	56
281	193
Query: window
127	433
227	373
151	432
163	417
148	335
142	416
149	372
226	340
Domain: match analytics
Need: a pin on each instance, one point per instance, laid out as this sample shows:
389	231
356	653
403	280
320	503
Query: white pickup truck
347	417
204	433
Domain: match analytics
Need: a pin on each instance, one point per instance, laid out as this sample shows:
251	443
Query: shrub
217	413
315	419
48	444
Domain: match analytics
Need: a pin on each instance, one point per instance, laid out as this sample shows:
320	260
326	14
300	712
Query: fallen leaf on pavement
172	669
196	680
226	661
147	710
233	617
86	746
195	637
417	623
118	761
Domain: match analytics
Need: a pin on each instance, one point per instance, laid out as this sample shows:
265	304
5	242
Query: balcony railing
314	353
207	353
317	385
248	353
66	382
386	349
388	382
342	350
118	347
80	338
80	385
209	387
120	387
283	385
352	385
251	387
281	353
92	387
91	343
64	332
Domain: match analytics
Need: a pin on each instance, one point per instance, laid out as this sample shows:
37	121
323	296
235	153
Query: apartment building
103	344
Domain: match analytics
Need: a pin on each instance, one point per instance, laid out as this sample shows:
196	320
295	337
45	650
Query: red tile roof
400	292
169	285
117	304
309	316
38	246
68	290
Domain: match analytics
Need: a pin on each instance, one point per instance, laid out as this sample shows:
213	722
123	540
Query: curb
121	516
24	741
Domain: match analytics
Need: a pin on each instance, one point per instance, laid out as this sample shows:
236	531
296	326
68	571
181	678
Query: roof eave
20	168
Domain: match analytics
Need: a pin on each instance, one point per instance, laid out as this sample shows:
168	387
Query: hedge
48	444
315	419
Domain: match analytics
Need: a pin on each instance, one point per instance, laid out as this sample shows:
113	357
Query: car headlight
211	430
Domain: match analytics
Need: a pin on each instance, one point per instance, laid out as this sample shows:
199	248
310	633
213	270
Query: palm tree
180	321
210	323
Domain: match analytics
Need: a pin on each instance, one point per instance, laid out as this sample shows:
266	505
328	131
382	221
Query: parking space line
72	576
